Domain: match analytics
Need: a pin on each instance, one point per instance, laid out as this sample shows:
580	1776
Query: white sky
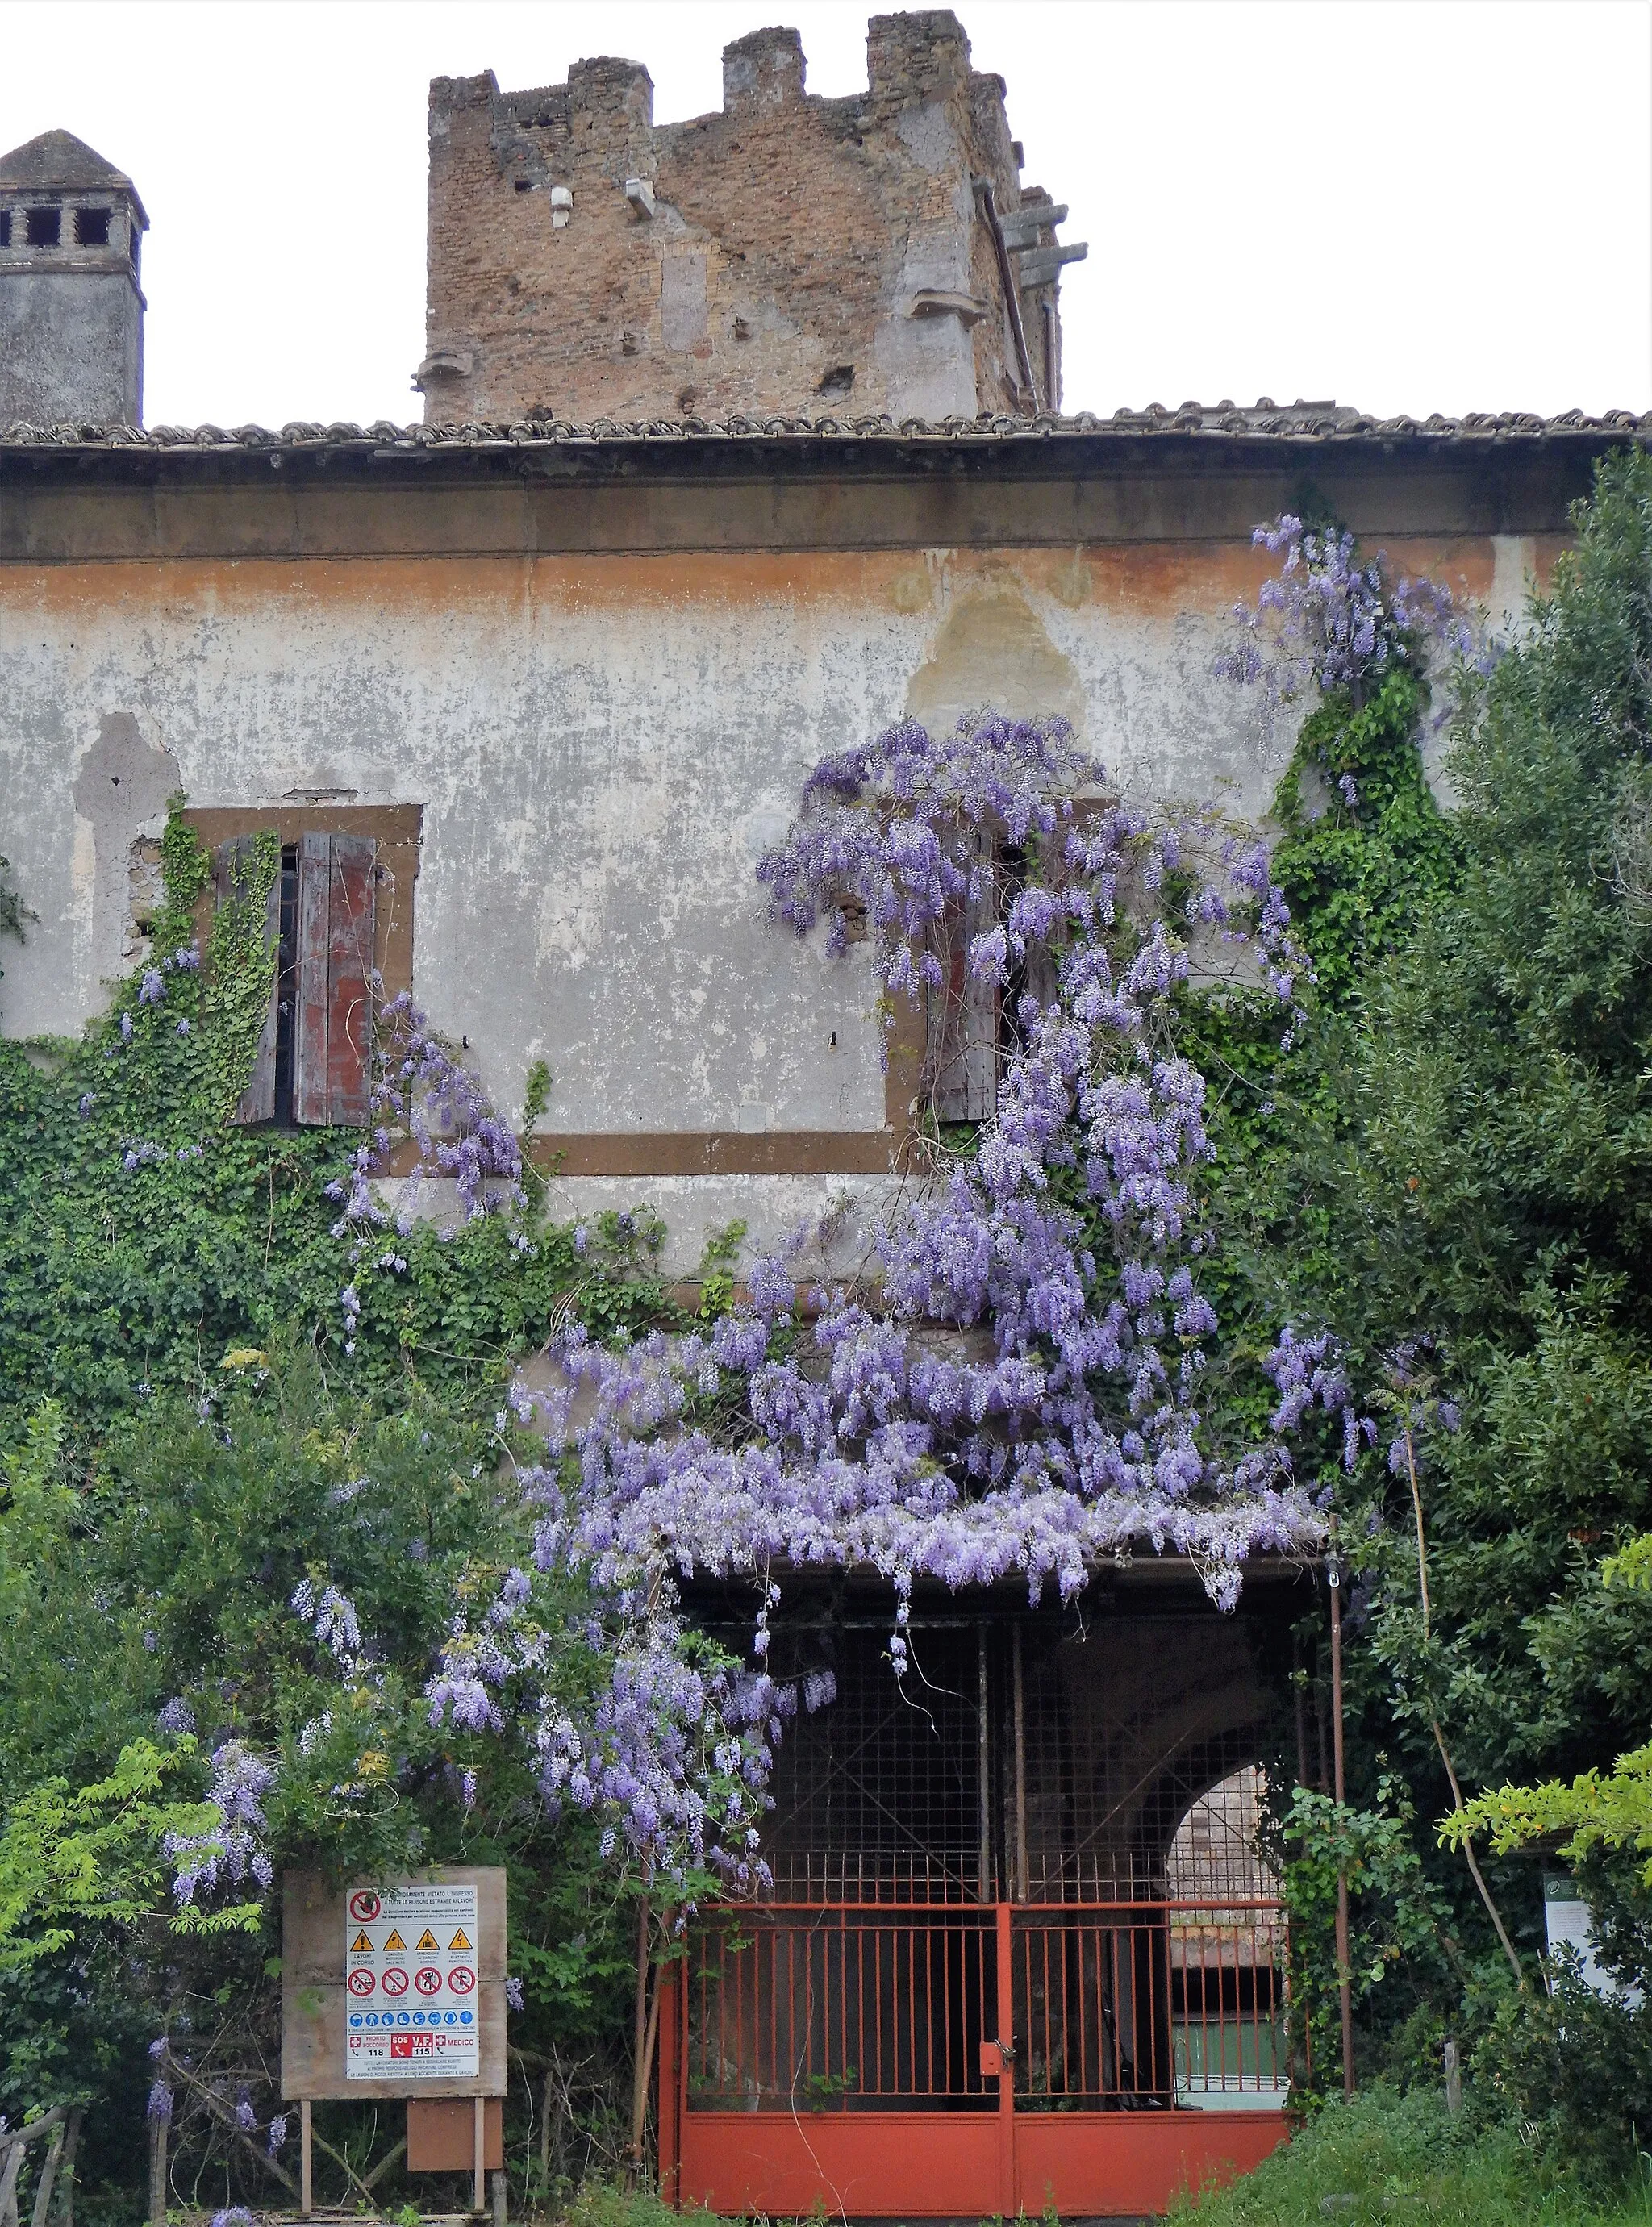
1411	205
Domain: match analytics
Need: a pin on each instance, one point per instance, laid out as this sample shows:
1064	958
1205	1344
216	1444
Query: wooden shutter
332	1038
963	1049
231	872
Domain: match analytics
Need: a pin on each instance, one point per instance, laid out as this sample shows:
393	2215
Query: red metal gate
965	2061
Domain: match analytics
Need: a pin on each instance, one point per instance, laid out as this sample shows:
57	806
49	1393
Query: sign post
395	1989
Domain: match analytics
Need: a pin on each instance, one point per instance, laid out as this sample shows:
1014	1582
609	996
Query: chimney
70	306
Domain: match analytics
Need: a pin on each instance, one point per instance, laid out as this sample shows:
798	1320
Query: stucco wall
71	347
603	747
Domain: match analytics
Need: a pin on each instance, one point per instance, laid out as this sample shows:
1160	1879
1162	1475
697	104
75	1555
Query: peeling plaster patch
927	132
1072	583
839	1213
994	652
1514	567
121	782
682	301
836	1215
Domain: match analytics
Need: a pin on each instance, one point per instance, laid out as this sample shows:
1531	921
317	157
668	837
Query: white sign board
1568	1924
410	1976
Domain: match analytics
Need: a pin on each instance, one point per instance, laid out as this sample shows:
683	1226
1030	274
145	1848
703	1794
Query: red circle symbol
461	1979
394	1981
365	1907
428	1980
360	1982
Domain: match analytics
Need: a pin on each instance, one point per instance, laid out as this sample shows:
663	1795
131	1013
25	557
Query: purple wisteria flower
1332	620
232	1849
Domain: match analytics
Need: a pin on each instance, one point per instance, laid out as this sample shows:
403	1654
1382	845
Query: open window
340	918
973	1027
314	1057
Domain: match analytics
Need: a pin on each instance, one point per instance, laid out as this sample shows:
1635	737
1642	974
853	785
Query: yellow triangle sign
362	1944
396	1942
426	1940
461	1939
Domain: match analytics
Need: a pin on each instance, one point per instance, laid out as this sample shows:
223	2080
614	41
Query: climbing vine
149	1234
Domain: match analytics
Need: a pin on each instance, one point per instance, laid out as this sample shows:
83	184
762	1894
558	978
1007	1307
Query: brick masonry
787	253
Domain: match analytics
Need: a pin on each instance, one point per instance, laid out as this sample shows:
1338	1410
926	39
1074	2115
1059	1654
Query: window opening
311	1069
5	228
91	227
44	226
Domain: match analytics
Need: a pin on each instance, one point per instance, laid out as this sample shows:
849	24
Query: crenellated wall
787	253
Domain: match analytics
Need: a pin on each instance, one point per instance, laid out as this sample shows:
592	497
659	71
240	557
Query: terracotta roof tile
1324	422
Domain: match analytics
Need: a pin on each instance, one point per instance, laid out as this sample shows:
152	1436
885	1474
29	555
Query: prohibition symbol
365	1907
428	1980
361	1983
395	1980
460	1979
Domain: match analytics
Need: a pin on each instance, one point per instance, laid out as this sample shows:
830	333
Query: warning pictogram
460	1940
365	1907
460	1979
394	1943
426	1943
362	1981
395	1980
363	1945
428	1980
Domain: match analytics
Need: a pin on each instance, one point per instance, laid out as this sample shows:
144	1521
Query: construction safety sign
410	1967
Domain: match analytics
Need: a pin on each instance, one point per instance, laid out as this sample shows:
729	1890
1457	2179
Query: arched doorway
1227	1952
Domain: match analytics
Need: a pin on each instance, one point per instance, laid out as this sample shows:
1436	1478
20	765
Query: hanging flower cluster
1329	619
421	1088
233	1848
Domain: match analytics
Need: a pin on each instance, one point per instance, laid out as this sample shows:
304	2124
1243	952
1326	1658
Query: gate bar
1007	2207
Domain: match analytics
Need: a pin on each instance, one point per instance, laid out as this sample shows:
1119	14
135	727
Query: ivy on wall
148	1233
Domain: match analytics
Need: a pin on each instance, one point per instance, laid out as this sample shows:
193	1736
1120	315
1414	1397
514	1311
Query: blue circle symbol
404	2018
451	2017
355	2018
464	2017
373	2018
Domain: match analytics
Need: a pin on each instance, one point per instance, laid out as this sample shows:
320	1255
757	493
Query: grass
1400	2158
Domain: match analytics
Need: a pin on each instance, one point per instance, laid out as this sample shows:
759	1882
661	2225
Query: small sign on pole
396	1988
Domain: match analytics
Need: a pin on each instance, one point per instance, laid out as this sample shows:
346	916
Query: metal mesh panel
878	1797
1017	1759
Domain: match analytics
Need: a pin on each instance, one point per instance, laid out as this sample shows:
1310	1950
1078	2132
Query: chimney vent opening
91	227
43	228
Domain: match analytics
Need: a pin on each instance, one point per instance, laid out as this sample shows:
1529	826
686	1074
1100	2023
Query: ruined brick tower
789	254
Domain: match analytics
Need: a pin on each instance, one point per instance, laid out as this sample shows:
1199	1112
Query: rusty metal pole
640	2068
1334	1575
